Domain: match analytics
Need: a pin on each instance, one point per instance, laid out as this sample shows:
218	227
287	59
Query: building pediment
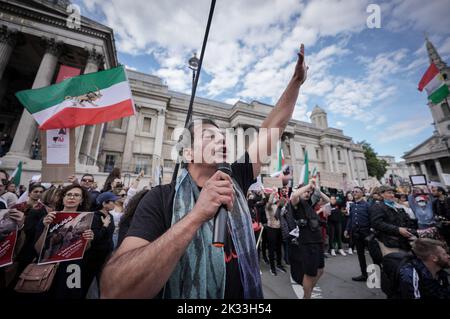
430	148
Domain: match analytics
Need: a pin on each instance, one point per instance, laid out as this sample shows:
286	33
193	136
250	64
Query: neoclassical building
35	40
432	156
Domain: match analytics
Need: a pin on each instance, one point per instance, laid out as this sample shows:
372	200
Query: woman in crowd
117	213
111	177
346	211
73	198
335	227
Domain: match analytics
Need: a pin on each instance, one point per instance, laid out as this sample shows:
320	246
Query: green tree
375	166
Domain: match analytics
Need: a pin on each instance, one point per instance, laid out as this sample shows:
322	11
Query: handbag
36	278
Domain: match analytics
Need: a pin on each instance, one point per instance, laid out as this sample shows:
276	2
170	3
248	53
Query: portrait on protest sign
64	240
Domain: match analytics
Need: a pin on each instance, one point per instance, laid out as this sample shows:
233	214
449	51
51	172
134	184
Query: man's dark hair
360	188
4	172
187	137
87	174
424	247
441	189
35	185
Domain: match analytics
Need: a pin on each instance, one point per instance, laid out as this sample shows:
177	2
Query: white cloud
399	130
130	68
430	16
331	17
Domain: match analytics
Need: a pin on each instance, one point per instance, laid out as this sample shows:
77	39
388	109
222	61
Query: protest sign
270	182
64	238
418	180
8	238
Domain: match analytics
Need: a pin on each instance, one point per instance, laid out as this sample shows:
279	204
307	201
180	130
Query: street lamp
193	65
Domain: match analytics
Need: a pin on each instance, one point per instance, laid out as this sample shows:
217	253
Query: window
110	162
143	163
147	125
339	155
169	133
317	154
117	123
446	109
169	164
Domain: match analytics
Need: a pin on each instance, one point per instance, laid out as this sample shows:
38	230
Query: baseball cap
106	196
420	198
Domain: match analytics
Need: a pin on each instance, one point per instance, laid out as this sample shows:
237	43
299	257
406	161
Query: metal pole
197	75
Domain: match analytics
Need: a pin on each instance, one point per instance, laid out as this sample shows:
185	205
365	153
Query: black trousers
358	239
274	241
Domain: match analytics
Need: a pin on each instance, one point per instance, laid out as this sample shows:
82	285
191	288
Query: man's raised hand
301	68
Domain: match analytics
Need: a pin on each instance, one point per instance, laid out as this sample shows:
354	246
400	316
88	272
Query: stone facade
432	157
35	40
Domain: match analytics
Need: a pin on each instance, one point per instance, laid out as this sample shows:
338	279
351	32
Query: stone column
7	42
240	142
355	167
330	157
351	164
129	140
364	163
26	130
336	161
423	169
86	144
159	140
437	163
347	164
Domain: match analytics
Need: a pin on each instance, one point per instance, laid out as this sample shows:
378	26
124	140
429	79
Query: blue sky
366	79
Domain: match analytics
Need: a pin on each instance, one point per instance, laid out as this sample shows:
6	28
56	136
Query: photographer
393	225
306	253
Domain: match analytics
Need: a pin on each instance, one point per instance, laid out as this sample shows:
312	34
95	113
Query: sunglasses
123	195
87	180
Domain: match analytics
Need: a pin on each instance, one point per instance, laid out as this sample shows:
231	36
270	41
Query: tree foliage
375	166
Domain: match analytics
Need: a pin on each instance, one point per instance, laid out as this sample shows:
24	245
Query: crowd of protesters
34	207
391	224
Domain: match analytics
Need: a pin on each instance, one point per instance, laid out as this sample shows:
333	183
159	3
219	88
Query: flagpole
194	89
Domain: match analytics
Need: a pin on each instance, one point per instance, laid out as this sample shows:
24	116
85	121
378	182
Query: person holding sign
67	281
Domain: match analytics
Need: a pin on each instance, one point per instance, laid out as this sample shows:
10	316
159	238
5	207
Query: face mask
422	204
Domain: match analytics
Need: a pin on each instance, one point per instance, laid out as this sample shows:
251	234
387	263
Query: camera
302	223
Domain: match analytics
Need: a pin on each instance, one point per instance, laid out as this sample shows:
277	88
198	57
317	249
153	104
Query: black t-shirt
310	233
335	215
154	216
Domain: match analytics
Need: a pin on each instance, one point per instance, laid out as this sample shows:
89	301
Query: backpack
390	273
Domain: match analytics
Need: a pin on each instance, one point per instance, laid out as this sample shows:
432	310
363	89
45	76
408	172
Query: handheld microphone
220	220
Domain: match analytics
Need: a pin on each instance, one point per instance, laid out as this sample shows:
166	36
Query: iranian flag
280	161
82	100
304	175
433	82
16	175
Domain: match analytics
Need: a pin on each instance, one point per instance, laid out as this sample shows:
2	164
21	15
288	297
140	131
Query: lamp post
193	65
